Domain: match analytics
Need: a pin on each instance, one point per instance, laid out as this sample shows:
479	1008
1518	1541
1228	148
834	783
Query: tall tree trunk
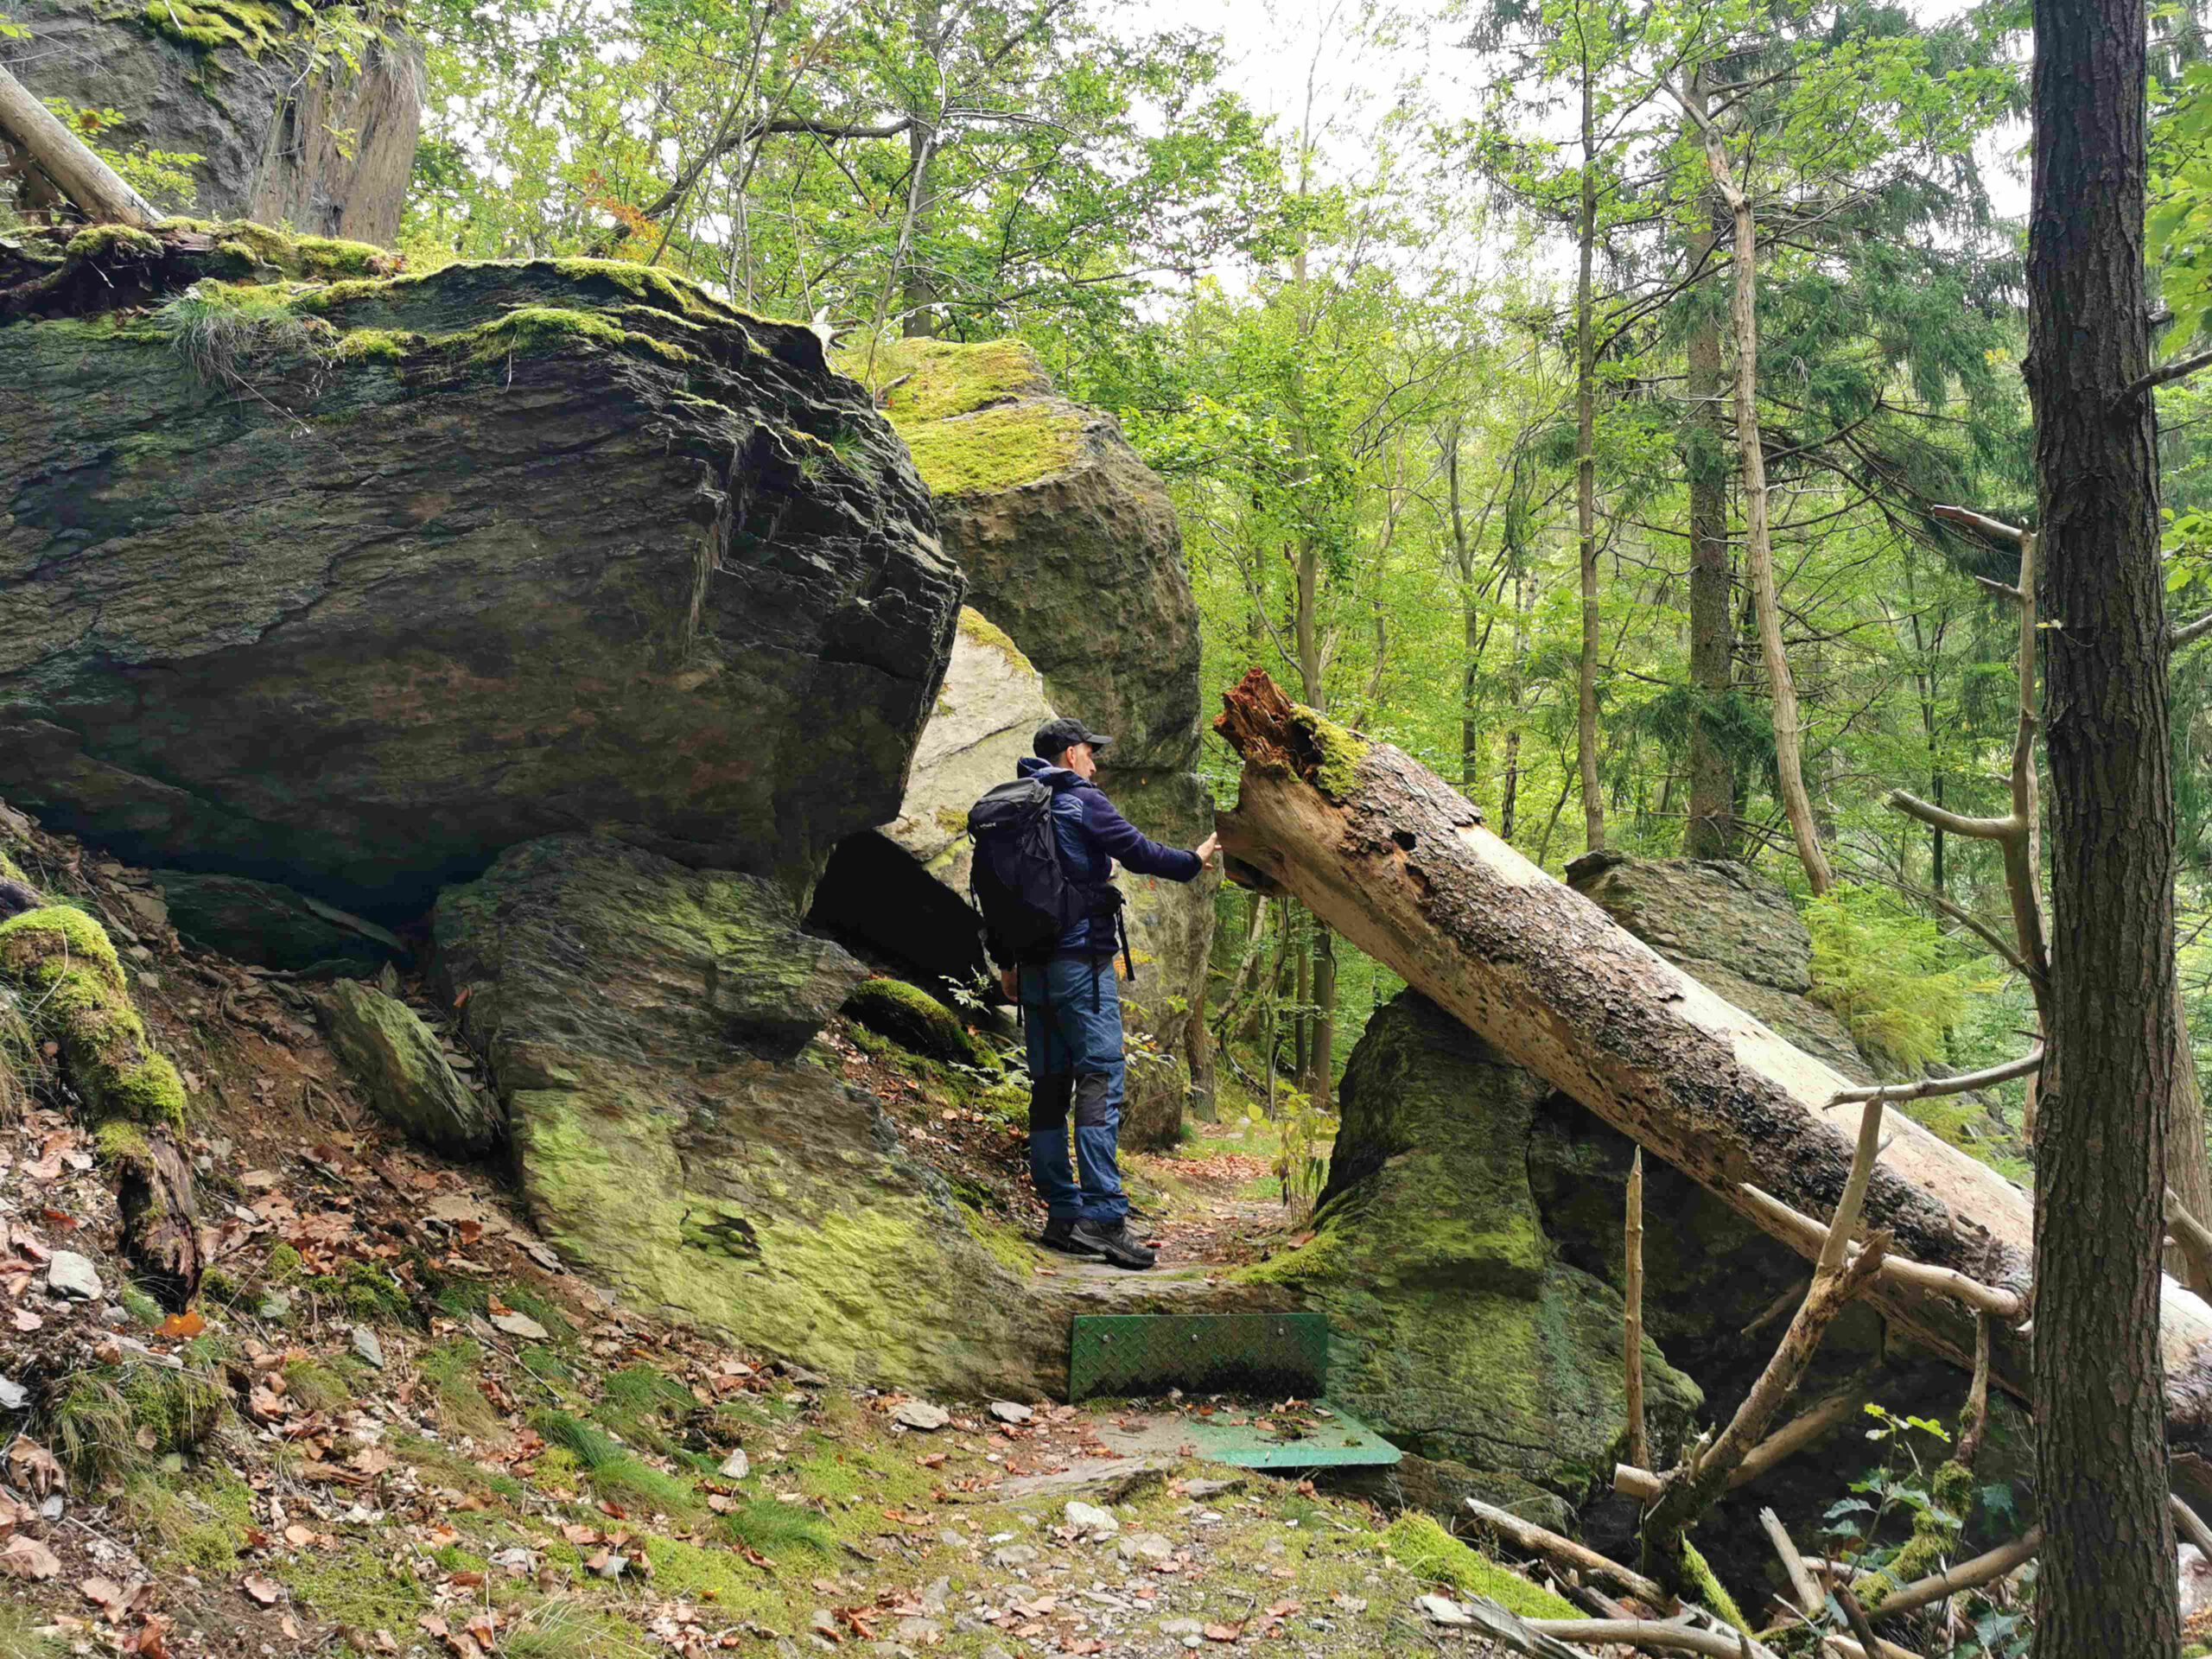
1743	316
1509	793
1321	1082
2107	1579
1711	831
1586	484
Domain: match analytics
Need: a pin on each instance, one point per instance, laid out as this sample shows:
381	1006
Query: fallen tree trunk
83	177
1387	853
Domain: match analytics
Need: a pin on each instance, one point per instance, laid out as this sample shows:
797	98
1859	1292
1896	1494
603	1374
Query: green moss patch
993	450
251	26
937	379
63	961
1421	1545
917	1021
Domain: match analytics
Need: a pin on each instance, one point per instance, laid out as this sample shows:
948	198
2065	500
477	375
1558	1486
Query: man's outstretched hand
1206	849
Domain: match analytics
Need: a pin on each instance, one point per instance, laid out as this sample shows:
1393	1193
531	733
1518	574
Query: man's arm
1122	840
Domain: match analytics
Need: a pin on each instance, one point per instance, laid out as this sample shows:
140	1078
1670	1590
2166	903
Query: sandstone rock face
1457	1329
400	1067
221	79
417	569
987	712
637	1015
1072	547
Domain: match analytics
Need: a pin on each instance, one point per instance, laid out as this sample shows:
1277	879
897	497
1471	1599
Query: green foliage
1891	975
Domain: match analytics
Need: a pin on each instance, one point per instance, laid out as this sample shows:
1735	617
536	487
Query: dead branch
1807	1233
1974	1419
1564	1552
1810	1599
1927	1088
1632	1298
1966	1575
1995	528
2192	1527
1648	1633
2194	1237
2164	374
1855	1616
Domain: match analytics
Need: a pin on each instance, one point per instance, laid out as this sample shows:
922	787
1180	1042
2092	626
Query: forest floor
394	1424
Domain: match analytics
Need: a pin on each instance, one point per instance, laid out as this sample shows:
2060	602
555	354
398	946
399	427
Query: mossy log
64	970
1384	850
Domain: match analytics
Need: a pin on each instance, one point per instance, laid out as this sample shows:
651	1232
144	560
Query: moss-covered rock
917	1021
576	547
62	962
232	86
630	1008
1074	559
1454	1328
405	1072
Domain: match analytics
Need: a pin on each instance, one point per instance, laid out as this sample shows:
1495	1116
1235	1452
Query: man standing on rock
1072	1003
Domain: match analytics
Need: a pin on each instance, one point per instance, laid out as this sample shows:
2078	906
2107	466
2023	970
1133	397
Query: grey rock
1204	1488
675	630
327	153
1146	1547
366	1346
13	1395
920	1413
1457	1332
1014	1556
1007	1411
402	1070
271	925
1090	1521
276	1306
520	1325
736	1466
918	1630
68	1273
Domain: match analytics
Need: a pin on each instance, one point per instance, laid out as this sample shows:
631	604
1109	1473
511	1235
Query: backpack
1017	880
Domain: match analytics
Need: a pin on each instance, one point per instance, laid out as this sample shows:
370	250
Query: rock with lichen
1074	557
267	120
668	1146
425	567
1455	1327
400	1067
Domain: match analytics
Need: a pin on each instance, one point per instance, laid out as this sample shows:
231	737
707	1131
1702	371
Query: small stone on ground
919	1414
367	1345
70	1274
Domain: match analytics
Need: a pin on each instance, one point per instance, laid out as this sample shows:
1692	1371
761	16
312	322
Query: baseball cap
1056	737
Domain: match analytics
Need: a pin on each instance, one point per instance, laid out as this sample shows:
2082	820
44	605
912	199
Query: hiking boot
1113	1241
1060	1235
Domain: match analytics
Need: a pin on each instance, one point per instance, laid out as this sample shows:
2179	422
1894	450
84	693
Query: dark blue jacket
1092	835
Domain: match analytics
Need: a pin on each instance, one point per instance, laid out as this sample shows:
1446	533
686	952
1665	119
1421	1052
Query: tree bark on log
88	181
1390	855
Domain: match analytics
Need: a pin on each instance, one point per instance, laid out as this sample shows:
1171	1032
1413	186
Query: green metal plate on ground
1267	1356
1320	1436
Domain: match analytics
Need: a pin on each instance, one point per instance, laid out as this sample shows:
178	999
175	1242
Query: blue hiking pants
1072	1007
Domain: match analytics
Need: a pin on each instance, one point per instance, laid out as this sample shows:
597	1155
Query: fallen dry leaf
27	1558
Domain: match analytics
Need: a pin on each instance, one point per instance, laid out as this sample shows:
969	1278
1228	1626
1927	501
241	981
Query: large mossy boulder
639	1016
1074	556
282	130
1456	1328
351	585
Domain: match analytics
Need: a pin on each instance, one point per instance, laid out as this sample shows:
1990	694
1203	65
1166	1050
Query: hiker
1070	998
